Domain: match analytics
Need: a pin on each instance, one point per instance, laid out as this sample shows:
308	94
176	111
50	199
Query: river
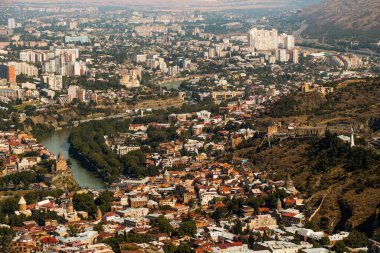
58	142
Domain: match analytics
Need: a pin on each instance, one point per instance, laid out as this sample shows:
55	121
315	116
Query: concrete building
282	55
11	23
9	73
260	39
53	81
262	221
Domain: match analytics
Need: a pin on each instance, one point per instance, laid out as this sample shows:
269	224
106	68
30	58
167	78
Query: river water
58	142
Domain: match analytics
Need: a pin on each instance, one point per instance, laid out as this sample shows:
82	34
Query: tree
220	212
85	202
6	236
356	239
99	227
187	228
114	243
163	224
104	201
238	228
324	241
183	248
340	247
72	230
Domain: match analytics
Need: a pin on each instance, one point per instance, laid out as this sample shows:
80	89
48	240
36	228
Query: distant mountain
346	14
212	4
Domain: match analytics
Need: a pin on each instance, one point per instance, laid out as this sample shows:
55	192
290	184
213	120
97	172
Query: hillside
348	177
352	195
355	102
346	14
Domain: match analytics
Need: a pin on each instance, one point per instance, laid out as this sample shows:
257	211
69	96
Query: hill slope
346	14
348	177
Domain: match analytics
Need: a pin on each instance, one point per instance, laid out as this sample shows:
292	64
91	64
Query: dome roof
22	201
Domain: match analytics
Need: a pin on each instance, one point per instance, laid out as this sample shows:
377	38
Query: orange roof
49	240
289	214
228	245
220	204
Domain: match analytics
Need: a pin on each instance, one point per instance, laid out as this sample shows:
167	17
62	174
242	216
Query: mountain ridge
346	14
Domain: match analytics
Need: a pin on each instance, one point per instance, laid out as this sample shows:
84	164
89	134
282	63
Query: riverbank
83	173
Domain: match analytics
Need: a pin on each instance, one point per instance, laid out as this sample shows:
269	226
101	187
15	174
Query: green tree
99	227
356	239
6	236
85	202
104	201
114	243
163	224
72	230
340	247
187	228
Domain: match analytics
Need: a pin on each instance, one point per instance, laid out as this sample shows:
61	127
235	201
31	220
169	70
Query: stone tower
166	177
289	182
352	138
22	204
279	205
70	206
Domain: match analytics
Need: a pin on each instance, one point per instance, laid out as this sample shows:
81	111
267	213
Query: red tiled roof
263	209
229	245
49	240
289	214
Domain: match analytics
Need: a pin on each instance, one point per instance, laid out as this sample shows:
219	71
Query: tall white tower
352	139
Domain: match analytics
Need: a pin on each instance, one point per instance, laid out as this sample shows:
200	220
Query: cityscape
190	126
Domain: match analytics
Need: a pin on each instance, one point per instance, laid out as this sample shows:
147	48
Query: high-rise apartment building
289	42
260	39
9	73
295	55
24	68
55	82
282	55
11	23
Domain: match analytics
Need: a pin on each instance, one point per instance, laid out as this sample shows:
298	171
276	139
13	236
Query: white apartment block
264	40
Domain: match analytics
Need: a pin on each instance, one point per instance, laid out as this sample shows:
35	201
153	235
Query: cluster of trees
22	179
157	136
235	206
134	165
115	242
87	140
86	202
331	151
6	237
186	228
22	78
284	107
9	205
356	239
182	248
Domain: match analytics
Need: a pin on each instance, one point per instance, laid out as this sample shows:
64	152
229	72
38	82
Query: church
60	164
